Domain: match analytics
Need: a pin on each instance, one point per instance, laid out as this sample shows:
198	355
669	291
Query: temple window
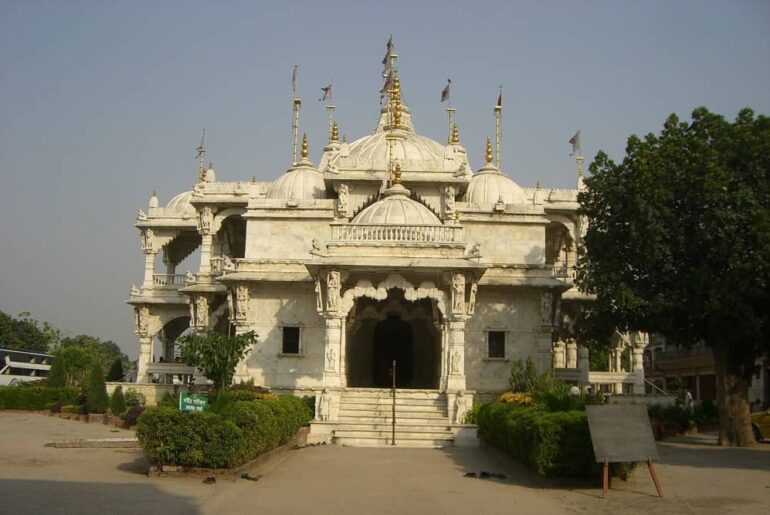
496	344
290	343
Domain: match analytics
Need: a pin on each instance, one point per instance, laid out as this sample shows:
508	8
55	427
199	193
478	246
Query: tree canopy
678	242
25	333
216	355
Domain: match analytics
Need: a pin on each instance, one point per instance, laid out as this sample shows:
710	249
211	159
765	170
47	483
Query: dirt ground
697	477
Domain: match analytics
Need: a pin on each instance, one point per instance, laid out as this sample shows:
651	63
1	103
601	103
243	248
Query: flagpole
295	128
450	112
330	109
201	155
498	128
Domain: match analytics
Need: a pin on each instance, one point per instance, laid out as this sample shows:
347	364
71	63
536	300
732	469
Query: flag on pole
327	92
294	80
500	99
386	86
445	91
575	142
386	59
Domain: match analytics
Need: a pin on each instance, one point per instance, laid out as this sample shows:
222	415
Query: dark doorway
392	341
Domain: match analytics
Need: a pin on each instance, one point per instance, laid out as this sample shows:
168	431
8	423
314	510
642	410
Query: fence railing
168	280
397	233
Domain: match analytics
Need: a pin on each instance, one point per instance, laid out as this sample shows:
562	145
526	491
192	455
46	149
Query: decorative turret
300	182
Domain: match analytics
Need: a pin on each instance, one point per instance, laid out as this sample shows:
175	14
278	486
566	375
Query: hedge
36	397
241	432
554	444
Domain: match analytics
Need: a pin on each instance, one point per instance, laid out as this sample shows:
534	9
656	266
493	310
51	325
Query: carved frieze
241	302
333	291
458	294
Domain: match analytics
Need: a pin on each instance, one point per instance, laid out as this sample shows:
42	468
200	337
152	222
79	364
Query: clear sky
103	101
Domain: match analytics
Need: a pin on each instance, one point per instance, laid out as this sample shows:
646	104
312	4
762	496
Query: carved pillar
332	350
572	354
456	346
145	358
343	352
558	354
149	268
583	364
206	243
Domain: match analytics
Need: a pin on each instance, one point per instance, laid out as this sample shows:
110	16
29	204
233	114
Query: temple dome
489	185
396	208
412	151
301	182
181	204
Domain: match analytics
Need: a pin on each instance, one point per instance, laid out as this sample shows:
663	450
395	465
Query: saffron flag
575	142
327	92
445	92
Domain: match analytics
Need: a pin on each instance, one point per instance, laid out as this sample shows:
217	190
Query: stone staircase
365	418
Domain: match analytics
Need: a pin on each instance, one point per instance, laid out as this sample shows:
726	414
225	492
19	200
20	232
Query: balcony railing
397	233
562	271
168	280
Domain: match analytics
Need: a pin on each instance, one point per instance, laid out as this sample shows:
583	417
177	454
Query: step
399	420
374	401
355	406
364	441
402	394
387	427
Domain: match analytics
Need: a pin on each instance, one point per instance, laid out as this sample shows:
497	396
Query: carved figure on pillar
342	201
449	201
472	299
458	293
546	308
319	301
242	302
455	364
147	240
201	311
205	220
143	321
331	360
333	291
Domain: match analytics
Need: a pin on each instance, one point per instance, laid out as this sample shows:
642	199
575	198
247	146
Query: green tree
23	333
77	362
97	400
57	376
116	372
678	242
216	354
118	402
105	350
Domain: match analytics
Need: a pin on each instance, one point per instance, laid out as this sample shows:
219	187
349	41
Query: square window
496	344
290	340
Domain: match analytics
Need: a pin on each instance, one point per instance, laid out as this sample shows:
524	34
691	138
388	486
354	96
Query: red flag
575	142
327	92
500	100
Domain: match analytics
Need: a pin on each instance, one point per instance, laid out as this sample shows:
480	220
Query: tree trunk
732	401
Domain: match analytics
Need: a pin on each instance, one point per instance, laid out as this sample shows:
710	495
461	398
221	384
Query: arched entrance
379	332
392	342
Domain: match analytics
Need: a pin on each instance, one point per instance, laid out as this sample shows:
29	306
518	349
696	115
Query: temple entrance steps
366	415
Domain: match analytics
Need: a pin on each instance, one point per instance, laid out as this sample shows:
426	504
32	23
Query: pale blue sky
102	102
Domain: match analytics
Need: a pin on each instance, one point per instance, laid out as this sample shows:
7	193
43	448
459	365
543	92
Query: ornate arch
365	288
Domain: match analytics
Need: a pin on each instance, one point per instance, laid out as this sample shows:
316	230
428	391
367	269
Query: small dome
396	208
303	182
181	204
489	185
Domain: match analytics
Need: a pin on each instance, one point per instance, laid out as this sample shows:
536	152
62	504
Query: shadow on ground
45	496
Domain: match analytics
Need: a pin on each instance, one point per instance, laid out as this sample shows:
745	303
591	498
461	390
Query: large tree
678	242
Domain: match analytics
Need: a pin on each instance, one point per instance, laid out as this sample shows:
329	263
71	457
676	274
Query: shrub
55	407
522	375
97	400
131	416
116	370
552	444
74	408
132	398
118	402
169	400
57	376
521	398
241	431
35	397
675	418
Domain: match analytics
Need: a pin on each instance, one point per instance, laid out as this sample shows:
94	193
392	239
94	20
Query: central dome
396	208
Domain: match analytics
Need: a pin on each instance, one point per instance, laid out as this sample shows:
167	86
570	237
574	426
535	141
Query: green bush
36	397
675	418
97	400
116	370
241	431
169	400
118	402
552	444
57	376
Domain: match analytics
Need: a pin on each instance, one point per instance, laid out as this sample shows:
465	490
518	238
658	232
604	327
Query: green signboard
193	401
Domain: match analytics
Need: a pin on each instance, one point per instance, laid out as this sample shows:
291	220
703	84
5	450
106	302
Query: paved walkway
697	477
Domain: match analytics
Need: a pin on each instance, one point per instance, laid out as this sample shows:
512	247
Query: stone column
456	344
331	357
206	243
558	354
638	369
583	364
149	268
145	358
343	351
572	354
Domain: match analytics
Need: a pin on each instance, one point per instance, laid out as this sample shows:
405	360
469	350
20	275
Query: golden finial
335	132
253	179
455	133
396	102
489	151
304	145
397	174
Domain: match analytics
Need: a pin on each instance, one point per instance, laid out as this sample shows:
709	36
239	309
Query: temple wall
272	306
515	311
507	242
271	238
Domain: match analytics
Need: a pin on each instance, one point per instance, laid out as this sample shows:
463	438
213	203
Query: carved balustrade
396	233
168	280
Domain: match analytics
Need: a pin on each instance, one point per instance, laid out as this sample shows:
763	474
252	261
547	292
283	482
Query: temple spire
201	156
489	151
498	125
297	105
304	145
